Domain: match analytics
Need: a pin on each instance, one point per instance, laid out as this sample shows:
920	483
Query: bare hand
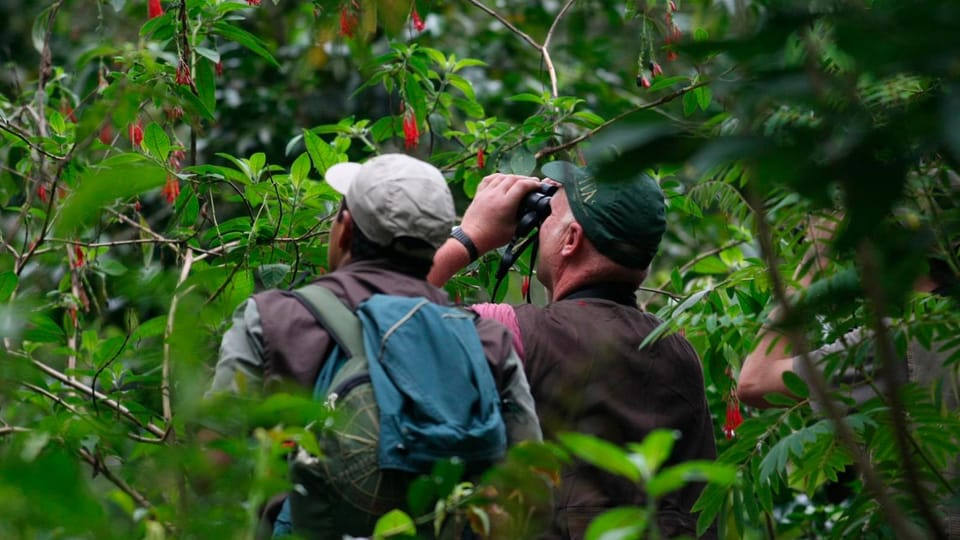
492	216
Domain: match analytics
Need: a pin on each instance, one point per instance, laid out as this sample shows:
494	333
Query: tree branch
888	362
818	386
579	139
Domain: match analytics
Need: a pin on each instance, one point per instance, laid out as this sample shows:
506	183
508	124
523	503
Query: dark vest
295	346
587	374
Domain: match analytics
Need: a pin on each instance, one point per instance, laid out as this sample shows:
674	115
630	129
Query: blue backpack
409	385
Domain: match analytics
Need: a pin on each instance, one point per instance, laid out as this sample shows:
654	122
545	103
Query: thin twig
660	291
523	35
545	48
9	430
649	105
15	131
99	467
165	384
888	364
86	390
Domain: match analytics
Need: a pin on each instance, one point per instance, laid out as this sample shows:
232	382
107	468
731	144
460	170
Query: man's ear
573	240
346	233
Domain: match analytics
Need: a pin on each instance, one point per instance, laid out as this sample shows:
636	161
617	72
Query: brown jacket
294	346
588	374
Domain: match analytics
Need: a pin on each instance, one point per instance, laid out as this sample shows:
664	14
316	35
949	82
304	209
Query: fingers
507	186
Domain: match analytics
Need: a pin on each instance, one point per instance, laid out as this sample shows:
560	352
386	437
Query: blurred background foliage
158	168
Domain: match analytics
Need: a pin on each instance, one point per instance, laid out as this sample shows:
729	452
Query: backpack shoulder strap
337	319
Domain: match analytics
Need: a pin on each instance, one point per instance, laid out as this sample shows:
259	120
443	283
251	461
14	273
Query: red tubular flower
42	193
418	23
176	159
136	133
671	5
655	69
734	418
219	68
174	113
481	159
171	190
137	206
671	56
183	74
67	111
253	2
643	81
106	134
154	9
348	22
525	287
77	256
411	132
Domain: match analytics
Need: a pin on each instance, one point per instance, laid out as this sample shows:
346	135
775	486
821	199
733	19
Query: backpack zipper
345	387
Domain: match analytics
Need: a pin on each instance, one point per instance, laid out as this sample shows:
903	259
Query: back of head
399	203
624	218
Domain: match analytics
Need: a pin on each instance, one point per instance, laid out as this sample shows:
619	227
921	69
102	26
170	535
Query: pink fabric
505	315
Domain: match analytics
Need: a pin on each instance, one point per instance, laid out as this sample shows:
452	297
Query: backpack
409	385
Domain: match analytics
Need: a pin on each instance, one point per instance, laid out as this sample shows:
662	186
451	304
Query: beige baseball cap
395	195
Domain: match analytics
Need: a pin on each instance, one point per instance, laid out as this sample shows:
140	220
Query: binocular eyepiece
534	208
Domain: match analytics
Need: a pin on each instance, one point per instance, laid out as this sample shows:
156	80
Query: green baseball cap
623	218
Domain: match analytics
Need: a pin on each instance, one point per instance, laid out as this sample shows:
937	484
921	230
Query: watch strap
462	237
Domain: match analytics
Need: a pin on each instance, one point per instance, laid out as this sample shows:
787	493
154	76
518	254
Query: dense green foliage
158	170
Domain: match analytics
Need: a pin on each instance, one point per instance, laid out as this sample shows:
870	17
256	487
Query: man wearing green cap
582	353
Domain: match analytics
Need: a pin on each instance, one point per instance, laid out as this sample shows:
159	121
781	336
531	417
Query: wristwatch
462	237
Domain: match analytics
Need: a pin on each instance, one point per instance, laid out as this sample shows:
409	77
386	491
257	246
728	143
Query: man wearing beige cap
395	213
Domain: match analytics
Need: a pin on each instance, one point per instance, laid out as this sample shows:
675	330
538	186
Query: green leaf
528	98
190	210
522	162
394	523
650	454
602	454
673	478
704	96
795	384
463	85
321	152
710	265
300	169
666	82
210	54
421	494
244	38
207	83
690	103
39	31
120	177
626	523
272	274
42	329
156	141
779	400
111	267
8	284
468	62
469	106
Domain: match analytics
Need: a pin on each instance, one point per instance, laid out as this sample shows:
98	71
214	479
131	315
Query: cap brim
564	172
341	175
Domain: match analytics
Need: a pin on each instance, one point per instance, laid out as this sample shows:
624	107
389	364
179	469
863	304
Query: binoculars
534	208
